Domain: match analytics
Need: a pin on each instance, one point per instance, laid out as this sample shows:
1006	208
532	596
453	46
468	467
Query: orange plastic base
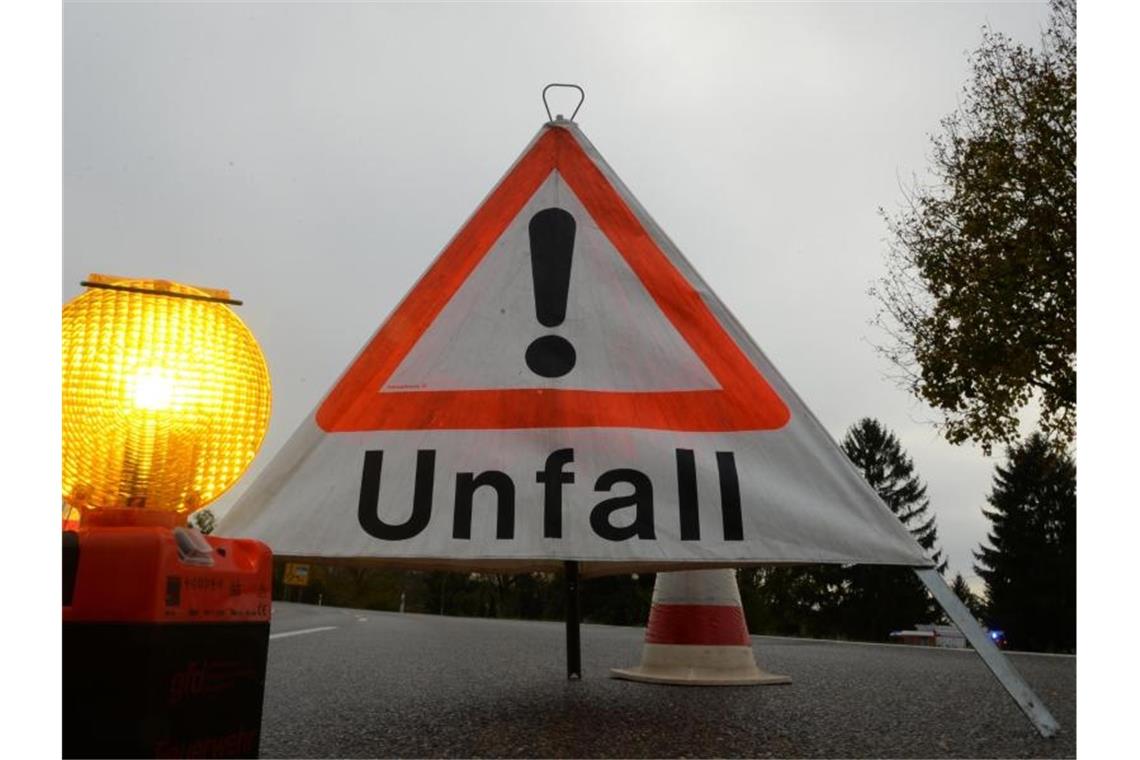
135	574
165	640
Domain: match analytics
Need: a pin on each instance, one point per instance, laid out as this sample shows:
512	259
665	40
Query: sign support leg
993	657
573	633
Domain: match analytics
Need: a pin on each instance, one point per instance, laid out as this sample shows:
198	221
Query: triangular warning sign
630	342
561	385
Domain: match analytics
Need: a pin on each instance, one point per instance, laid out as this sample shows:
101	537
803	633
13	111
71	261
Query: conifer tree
1030	562
968	597
877	454
877	599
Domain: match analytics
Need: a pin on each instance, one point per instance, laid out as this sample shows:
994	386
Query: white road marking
302	631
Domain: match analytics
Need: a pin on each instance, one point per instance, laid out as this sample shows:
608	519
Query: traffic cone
697	635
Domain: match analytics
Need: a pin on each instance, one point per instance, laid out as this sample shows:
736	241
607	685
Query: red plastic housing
135	574
165	637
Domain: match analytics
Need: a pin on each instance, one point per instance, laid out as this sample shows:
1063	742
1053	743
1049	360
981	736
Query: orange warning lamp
166	400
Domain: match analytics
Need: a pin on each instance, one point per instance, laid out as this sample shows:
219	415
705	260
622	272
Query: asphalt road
376	684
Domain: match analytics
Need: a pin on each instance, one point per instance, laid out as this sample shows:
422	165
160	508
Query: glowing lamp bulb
150	389
166	398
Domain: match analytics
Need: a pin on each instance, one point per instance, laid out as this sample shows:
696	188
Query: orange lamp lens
166	398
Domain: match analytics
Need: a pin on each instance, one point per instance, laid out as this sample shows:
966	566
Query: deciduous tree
979	301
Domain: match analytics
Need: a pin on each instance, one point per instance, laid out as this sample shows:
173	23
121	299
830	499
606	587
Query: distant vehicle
947	636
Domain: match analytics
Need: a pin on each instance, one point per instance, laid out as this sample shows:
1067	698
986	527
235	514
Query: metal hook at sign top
581	100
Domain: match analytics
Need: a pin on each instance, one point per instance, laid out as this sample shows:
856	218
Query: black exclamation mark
551	251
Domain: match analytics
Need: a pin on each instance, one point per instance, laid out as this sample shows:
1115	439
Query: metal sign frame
993	657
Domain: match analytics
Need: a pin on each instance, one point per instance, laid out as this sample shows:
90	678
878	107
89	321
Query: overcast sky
314	158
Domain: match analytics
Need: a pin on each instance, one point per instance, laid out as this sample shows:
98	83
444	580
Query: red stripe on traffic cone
697	625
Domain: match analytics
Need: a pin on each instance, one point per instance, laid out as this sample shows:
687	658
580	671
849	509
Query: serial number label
202	583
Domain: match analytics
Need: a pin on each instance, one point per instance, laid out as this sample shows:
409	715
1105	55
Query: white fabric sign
561	385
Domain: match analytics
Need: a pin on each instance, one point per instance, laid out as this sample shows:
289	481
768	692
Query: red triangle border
745	400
